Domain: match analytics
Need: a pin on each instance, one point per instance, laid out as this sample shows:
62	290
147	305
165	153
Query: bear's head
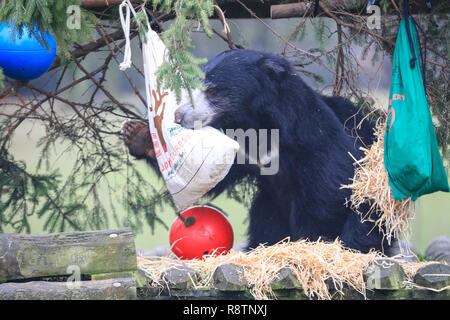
242	89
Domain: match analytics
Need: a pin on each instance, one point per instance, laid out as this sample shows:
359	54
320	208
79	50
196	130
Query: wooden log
306	8
300	9
111	289
32	256
291	10
106	3
263	8
113	275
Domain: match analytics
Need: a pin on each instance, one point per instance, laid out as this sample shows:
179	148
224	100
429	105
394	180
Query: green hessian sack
411	154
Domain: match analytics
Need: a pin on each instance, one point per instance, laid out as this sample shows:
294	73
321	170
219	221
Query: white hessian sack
191	162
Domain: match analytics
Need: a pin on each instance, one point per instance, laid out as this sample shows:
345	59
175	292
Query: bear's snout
179	115
198	116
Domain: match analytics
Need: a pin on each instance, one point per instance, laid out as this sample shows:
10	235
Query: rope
412	284
125	21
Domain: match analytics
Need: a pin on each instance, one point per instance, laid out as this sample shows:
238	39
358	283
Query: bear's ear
275	67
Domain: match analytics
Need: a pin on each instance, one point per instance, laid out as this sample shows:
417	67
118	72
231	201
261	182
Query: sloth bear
247	89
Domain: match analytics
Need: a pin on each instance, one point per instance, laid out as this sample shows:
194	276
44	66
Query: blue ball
25	58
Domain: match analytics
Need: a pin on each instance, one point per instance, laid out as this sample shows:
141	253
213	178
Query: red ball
211	233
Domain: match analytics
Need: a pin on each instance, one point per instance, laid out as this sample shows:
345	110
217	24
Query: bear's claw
136	136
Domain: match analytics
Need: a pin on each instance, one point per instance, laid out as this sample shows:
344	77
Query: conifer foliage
182	70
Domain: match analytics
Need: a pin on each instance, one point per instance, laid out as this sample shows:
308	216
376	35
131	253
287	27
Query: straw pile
312	263
370	185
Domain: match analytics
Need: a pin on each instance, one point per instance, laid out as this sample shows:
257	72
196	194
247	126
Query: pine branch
182	70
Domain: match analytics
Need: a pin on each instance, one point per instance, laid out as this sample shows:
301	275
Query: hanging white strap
147	47
125	21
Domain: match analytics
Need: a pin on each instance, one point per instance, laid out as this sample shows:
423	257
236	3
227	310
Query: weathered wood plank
113	275
111	289
32	256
